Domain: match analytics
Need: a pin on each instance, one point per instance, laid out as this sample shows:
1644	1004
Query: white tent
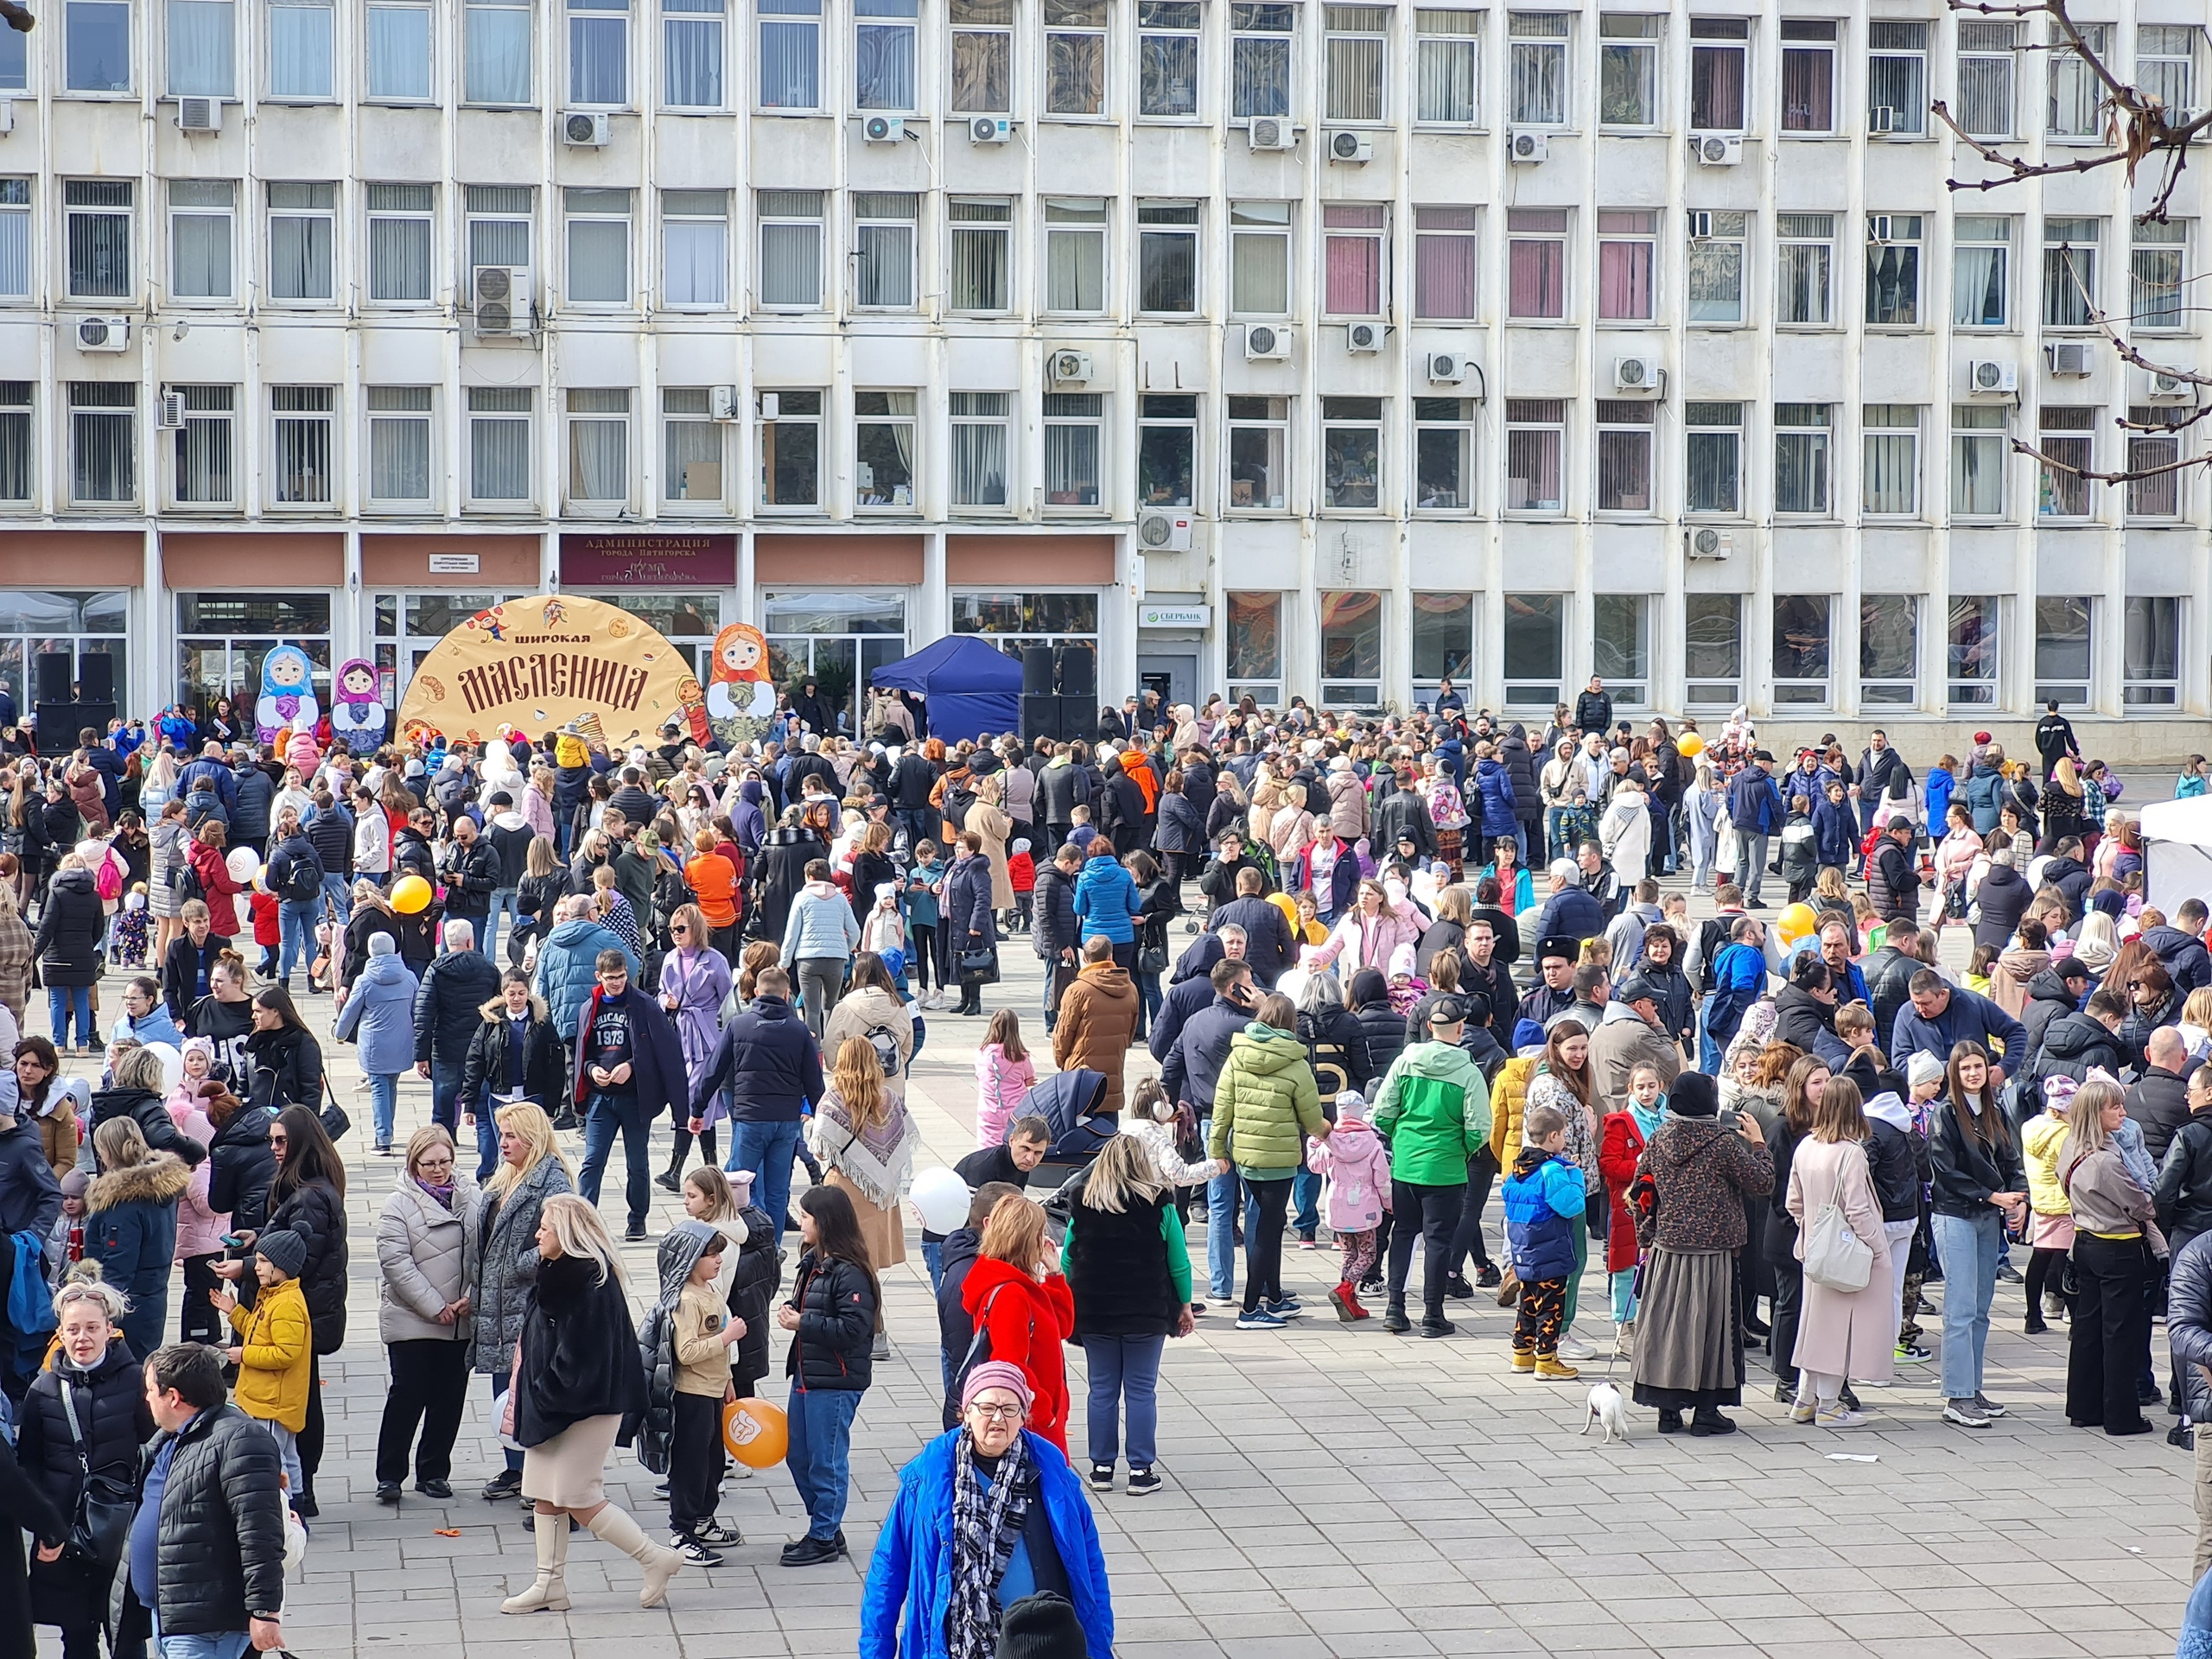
2178	852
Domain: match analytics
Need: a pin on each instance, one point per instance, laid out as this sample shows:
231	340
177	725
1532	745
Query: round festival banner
535	665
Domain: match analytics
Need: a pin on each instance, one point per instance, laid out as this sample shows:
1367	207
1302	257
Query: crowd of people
1385	967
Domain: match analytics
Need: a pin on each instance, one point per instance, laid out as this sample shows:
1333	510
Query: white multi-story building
1289	348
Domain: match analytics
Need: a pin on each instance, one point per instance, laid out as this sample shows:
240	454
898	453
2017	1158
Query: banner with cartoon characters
534	665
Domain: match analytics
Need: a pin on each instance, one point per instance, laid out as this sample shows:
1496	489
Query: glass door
836	637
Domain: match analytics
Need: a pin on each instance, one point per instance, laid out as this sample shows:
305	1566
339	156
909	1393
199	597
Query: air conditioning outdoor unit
103	333
1161	531
722	403
500	300
1718	148
1266	342
2170	388
1528	149
586	128
1352	147
989	130
1068	368
7	116
169	412
1363	336
1705	543
1990	376
2070	359
1272	132
1449	368
1636	374
200	114
884	129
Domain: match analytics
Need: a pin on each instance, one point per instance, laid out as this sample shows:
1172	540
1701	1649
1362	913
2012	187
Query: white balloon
942	1199
242	864
172	1059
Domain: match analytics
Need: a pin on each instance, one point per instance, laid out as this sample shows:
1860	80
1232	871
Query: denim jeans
1553	816
503	903
297	920
1124	1368
819	1453
60	999
933	1259
766	1149
384	1104
1971	1246
341	895
445	1095
218	1644
1306	1203
487	1140
1222	1197
608	1116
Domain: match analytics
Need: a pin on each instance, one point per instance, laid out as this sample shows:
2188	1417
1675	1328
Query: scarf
878	1161
443	1194
986	1528
1649	1118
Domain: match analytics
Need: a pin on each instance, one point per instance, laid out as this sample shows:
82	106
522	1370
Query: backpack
303	880
186	883
1712	939
107	880
979	1350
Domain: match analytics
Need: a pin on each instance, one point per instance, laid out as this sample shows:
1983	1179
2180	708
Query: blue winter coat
1540	1210
1940	787
156	1027
1107	901
909	1591
379	1016
1985	794
1754	804
567	968
1738	978
1969	1017
1574	912
1494	780
1835	838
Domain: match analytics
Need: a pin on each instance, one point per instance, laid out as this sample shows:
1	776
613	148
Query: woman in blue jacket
968	921
987	1514
1107	903
131	1224
1499	806
1835	838
379	1016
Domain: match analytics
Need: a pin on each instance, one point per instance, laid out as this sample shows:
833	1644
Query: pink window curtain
1624	280
1355	276
1443	276
1539	279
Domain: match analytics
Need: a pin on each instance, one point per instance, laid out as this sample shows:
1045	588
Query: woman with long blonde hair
502	1258
866	1140
2116	1239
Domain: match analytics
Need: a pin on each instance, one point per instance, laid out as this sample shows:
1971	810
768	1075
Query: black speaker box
1039	670
1079	673
96	677
52	677
59	722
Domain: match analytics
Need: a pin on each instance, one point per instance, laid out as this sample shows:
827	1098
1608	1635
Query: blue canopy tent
972	687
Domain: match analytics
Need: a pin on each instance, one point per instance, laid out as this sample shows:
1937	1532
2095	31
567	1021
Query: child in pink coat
200	1229
1355	1195
1004	1076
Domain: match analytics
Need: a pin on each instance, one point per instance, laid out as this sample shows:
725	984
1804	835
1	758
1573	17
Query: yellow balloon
410	894
1794	923
1691	744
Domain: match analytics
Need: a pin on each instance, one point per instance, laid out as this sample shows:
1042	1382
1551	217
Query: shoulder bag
101	1524
1835	1257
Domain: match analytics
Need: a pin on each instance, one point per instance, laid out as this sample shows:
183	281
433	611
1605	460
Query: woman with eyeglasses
422	1315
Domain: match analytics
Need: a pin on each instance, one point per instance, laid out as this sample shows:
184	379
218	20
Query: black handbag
335	1122
105	1505
979	967
1151	959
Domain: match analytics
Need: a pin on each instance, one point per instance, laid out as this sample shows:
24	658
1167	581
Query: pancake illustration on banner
534	665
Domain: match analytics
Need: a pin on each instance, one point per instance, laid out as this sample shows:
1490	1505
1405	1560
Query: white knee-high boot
615	1527
549	1591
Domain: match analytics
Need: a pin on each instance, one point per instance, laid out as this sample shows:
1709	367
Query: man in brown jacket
1098	1019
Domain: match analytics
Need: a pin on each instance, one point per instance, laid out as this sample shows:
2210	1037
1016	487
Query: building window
883	450
75	624
982	56
2077	91
1447	65
1013	621
498	443
499	224
496	52
883	53
1259	258
1443	639
1354	235
2070	271
1713	650
399	446
1714	451
1168	256
1804	269
218	666
1168	56
791	249
201	36
1896	76
1627	253
691	48
1074	257
599	245
204	447
1981	271
201	240
1620	646
1259	44
14	64
1628	70
1358	38
2066	439
1352	452
2064	642
1715	274
791	54
982	237
1444	454
1258	467
1535	262
399	53
1978	446
16	441
693	445
1539	67
1893	270
302	241
96	45
1352	650
2155	273
1985	79
979	449
1801	457
1253	637
1889	649
1445	264
1719	48
1535	649
2150	645
16	238
1972	644
2154	451
1074	445
1807	75
2165	62
1535	435
1167	449
399	242
1075	56
1800	648
303	452
407	627
1624	455
791	450
695	247
599	52
598	443
1890	480
883	249
98	214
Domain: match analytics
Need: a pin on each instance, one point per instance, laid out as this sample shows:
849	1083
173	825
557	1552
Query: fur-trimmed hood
495	1011
160	1179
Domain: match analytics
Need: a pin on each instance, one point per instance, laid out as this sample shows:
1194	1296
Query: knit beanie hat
286	1250
997	1374
382	945
1694	1095
1042	1626
1923	1068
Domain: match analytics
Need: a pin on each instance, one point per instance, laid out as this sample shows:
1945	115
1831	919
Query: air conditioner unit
1990	376
1271	132
169	412
771	405
1164	531
7	115
1363	336
200	114
722	403
1877	227
989	130
2170	389
1449	368
1881	120
499	301
1352	147
1528	149
1266	342
884	129
1701	226
2070	359
103	333
585	129
1636	374
1705	543
1718	148
1068	368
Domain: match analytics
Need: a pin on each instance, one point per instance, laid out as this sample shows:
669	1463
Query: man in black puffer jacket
2188	1332
2180	949
256	791
1401	815
2053	994
2074	1042
1054	933
770	1063
449	1008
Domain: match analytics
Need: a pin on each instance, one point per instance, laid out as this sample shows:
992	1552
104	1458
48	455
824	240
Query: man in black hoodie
770	1063
2074	1042
2053	993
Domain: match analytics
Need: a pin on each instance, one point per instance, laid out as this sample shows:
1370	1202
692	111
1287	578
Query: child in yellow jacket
275	1352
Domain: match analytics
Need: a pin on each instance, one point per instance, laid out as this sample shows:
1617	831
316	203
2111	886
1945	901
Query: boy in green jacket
1434	1111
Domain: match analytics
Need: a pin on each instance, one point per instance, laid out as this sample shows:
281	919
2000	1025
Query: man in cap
1755	812
1434	1112
1629	1035
1555	958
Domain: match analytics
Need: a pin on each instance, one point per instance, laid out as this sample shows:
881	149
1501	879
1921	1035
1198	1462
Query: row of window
1358	71
1533	643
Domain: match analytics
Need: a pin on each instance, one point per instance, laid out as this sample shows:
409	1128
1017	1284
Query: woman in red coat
217	885
1015	1293
1626	1134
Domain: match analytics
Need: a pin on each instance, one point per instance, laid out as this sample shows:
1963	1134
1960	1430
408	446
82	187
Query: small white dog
1607	1412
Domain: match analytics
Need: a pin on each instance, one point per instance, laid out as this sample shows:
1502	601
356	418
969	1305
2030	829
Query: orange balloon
756	1433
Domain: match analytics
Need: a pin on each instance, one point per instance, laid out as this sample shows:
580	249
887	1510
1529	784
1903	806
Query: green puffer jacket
1434	1111
1265	1104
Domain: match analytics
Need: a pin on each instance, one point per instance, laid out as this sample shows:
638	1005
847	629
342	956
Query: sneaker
1548	1369
1439	1327
697	1554
634	1233
1571	1348
1307	1241
2008	1272
388	1492
440	1490
1801	1411
2183	1436
505	1484
1487	1277
1142	1481
1371	1286
1785	1393
1260	1319
1989	1406
1458	1289
1102	1477
1841	1416
1288	1307
715	1532
1965	1413
1911	1353
1850	1400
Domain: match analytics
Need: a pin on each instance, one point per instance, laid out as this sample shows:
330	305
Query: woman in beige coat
871	1008
988	820
1841	1334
